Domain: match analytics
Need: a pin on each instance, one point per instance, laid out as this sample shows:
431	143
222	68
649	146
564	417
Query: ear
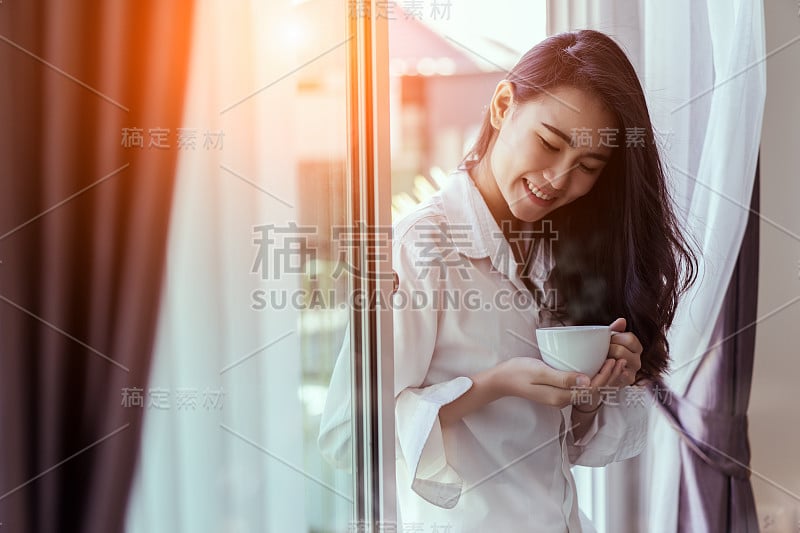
502	103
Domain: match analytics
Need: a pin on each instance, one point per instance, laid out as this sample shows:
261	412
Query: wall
774	412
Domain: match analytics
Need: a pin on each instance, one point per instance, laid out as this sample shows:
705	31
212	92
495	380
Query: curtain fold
706	96
83	228
715	489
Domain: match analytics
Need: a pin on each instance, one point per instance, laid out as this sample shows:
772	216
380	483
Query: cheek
538	158
503	160
584	184
512	157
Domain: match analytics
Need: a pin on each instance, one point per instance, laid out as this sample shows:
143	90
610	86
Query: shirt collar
466	209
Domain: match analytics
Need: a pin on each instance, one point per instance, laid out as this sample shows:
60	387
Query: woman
558	215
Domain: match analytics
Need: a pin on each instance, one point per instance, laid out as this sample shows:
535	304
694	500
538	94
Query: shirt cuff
591	432
618	432
422	443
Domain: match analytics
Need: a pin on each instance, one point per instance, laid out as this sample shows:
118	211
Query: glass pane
254	281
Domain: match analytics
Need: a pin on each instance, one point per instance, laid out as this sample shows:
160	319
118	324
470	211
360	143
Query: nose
557	177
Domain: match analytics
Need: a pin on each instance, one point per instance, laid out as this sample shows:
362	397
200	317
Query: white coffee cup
575	348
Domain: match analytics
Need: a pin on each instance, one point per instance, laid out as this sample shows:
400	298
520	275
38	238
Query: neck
487	185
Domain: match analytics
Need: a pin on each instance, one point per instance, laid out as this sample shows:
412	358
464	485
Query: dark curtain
83	229
715	490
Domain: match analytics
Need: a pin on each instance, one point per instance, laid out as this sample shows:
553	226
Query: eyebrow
568	140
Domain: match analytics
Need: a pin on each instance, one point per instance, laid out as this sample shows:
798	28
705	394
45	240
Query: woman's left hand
627	351
619	370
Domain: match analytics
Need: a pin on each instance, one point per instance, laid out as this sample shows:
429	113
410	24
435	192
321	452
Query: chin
530	216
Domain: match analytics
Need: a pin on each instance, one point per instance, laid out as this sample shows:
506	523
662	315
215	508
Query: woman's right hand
526	377
532	379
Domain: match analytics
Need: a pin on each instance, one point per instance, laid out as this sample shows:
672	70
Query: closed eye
547	145
552	148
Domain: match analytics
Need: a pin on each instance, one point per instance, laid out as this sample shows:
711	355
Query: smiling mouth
537	192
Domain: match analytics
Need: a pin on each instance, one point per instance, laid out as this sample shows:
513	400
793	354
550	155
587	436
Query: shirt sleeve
421	447
618	432
420	441
335	430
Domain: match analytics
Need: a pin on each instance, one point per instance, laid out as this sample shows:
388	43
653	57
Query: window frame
369	210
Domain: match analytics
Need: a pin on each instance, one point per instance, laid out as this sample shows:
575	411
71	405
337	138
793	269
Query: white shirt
506	466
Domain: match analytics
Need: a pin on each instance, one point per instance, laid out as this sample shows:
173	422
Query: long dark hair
618	250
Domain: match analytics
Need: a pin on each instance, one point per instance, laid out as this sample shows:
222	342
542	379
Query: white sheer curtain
721	118
701	63
229	467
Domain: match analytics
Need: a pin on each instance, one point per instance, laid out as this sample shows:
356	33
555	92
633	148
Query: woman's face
546	153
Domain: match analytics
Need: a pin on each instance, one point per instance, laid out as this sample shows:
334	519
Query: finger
627	378
602	377
630	375
619	324
620	352
549	395
563	380
628	340
616	375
